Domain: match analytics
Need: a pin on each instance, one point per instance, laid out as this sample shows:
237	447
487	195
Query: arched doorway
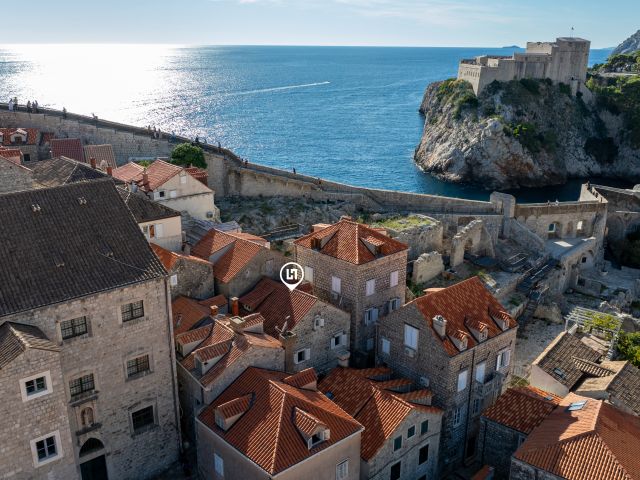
95	467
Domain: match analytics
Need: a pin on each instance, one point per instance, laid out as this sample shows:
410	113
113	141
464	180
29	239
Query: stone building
84	280
13	176
458	341
171	185
313	333
188	275
271	425
508	422
24	139
102	155
239	261
564	60
358	269
62	171
401	429
581	439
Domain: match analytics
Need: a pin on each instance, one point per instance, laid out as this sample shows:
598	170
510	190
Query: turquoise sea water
348	114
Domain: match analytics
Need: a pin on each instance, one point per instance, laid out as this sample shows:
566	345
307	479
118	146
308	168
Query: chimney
213	311
145	178
186	249
179	320
343	359
110	171
235	306
92	161
440	325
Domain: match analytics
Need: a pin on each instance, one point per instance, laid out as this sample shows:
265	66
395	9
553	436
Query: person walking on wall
10	104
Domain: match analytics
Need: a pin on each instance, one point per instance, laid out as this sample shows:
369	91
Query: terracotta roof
595	442
466	299
267	433
14	155
213	241
305	422
32	135
300	379
204	354
252	238
187	312
522	408
352	242
276	302
236	406
15	338
218	300
102	153
67	147
169	259
559	359
380	411
199	174
158	173
219	334
233	261
195	335
127	172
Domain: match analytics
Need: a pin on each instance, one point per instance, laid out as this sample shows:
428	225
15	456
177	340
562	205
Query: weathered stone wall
496	445
523	471
473	238
426	267
195	279
14	178
421	238
266	263
104	352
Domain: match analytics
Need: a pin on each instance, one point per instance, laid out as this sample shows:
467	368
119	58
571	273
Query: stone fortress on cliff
564	60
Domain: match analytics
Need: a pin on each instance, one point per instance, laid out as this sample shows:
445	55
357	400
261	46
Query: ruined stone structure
623	215
564	60
473	239
426	267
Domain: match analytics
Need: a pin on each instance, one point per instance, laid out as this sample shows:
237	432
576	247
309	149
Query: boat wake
277	89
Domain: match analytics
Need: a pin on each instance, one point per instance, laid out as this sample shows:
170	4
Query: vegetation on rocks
459	93
629	347
187	154
620	63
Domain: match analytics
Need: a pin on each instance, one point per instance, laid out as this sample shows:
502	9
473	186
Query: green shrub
629	347
531	85
564	88
459	93
621	97
187	154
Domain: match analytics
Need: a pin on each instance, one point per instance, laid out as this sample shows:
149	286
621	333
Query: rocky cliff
630	45
525	133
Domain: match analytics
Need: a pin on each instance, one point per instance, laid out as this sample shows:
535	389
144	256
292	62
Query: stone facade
265	263
497	443
14	177
523	471
194	278
186	194
166	232
104	352
472	238
427	267
353	297
434	368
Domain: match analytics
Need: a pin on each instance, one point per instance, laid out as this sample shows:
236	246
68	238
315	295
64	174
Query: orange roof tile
218	300
187	312
127	172
196	335
158	173
302	378
595	442
32	135
232	262
212	242
169	258
277	304
236	406
199	174
466	299
348	241
204	354
102	153
12	154
267	433
380	411
305	422
67	147
522	408
218	335
251	238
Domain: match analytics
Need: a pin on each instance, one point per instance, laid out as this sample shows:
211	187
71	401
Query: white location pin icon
292	275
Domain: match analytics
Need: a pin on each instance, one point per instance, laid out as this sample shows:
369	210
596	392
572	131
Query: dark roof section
143	209
63	170
15	338
626	387
61	243
67	147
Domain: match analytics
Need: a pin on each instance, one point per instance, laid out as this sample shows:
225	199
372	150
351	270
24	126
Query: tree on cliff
187	155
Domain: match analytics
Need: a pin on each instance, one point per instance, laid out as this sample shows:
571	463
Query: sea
348	114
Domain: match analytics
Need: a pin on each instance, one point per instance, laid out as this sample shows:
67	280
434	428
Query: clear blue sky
319	22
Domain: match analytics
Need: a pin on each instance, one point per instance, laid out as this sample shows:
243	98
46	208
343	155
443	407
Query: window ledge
143	430
86	430
81	398
138	375
76	338
135	321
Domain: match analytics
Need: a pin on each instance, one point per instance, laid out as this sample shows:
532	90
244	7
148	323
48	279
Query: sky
486	23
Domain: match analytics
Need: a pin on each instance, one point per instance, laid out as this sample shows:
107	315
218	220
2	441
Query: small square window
424	427
131	311
137	366
142	418
36	385
411	431
397	443
46	448
73	328
302	355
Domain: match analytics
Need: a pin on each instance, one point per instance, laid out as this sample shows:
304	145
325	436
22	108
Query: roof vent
35	207
82	200
575	406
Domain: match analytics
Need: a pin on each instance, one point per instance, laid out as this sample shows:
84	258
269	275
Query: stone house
581	439
313	333
272	425
238	263
107	312
62	171
188	275
458	341
68	147
357	269
102	155
13	176
171	185
24	139
401	429
212	350
505	425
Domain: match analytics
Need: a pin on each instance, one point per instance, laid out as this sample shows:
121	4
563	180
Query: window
342	470
82	384
162	194
386	346
173	194
503	359
338	340
462	379
137	366
218	464
394	304
142	418
552	227
397	443
26	157
371	287
308	274
411	337
477	405
35	386
393	280
336	285
457	416
395	471
73	328
411	431
183	178
370	316
131	311
480	368
424	427
423	455
45	448
173	280
584	259
302	355
370	343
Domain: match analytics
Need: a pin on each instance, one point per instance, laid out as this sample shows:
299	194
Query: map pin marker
292	275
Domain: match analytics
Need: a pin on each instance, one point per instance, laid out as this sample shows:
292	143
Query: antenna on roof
571	35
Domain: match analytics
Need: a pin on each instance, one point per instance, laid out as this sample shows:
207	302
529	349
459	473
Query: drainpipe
174	373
